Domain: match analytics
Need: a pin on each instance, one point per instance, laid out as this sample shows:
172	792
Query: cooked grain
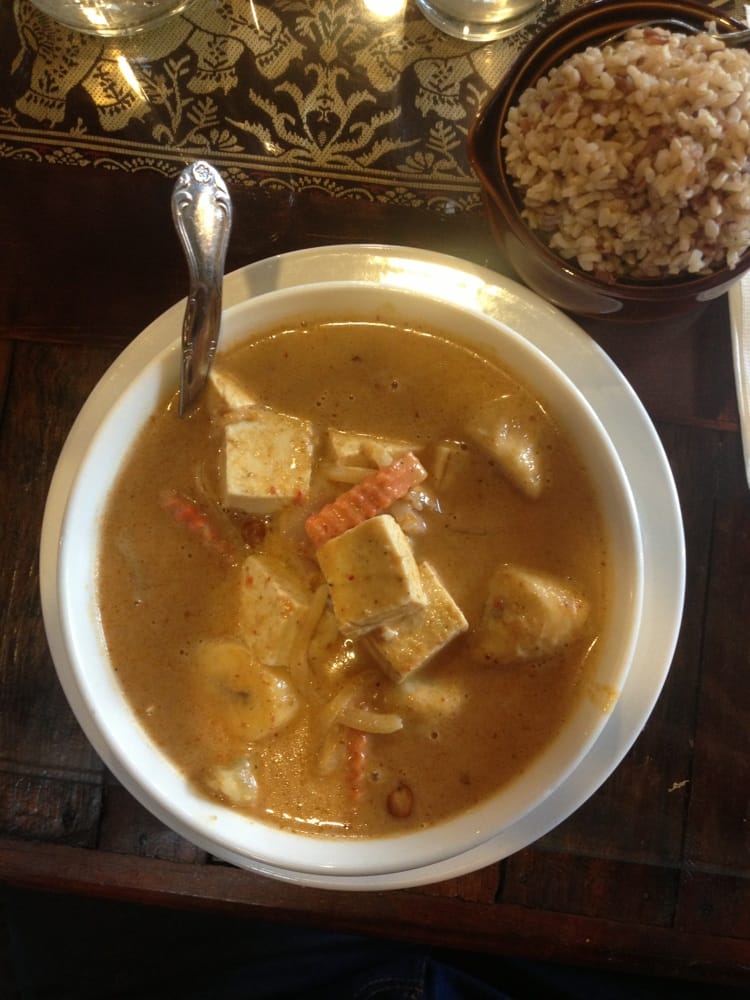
634	159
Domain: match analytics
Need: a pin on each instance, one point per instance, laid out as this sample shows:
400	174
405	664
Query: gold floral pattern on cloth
361	98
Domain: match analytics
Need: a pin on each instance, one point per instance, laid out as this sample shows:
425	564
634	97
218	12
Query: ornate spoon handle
202	213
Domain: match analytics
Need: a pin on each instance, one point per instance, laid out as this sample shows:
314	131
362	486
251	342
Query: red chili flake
249	581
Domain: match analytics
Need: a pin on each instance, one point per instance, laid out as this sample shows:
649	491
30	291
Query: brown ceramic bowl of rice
617	173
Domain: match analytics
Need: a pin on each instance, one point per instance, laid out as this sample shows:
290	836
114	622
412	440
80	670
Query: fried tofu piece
267	461
408	645
528	616
513	437
274	602
372	575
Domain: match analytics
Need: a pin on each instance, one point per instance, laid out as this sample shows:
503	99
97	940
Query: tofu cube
365	450
227	392
274	603
528	616
412	642
511	432
267	461
372	576
432	698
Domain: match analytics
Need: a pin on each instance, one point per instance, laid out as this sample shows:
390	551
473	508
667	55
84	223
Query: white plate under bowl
593	374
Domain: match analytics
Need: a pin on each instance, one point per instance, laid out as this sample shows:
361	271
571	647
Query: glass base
110	18
476	31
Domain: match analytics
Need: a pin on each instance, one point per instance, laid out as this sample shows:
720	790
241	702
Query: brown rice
634	159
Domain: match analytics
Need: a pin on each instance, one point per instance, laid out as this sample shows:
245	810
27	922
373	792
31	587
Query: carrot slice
190	514
372	496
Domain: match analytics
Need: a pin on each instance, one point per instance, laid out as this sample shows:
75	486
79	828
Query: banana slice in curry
249	700
236	782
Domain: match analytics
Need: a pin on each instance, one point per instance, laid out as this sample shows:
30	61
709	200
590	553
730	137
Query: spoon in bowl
202	214
729	38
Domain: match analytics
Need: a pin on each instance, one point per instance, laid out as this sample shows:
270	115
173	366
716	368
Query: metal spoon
729	38
202	213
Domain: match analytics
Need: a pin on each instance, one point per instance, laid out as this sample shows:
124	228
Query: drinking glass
110	17
479	20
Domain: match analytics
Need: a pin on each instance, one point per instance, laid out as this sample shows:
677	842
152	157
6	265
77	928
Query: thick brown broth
469	727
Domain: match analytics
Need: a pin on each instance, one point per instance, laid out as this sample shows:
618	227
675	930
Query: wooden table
334	130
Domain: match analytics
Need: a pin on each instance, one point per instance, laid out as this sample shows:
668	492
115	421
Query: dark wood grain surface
652	874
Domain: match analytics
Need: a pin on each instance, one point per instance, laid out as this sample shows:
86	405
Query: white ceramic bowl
104	712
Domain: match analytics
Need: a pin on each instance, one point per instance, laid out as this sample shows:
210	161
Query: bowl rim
119	753
485	134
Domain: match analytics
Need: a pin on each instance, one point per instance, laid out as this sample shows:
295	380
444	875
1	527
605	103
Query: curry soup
394	660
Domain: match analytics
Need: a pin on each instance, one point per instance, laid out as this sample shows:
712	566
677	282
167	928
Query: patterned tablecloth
359	98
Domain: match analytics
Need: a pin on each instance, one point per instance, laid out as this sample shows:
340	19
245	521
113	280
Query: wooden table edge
405	914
